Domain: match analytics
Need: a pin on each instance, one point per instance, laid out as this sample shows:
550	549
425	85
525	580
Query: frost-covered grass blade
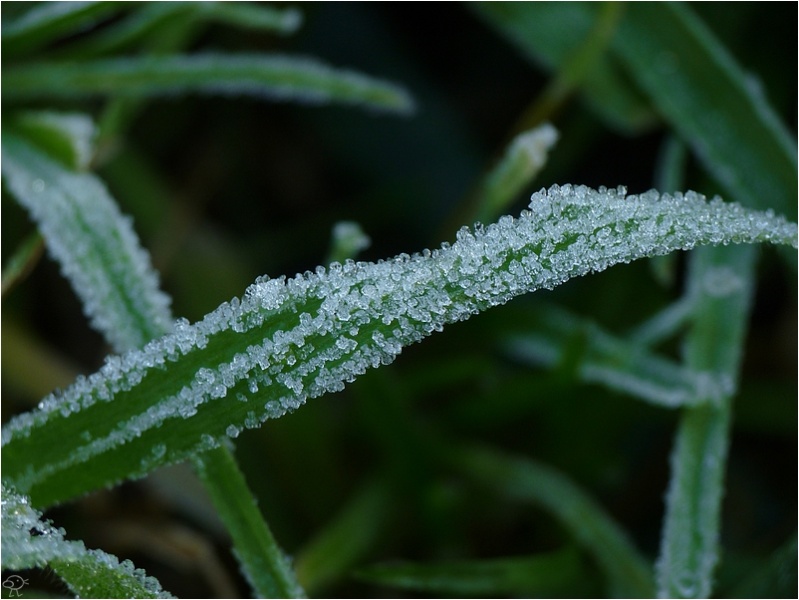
289	340
29	541
619	364
270	77
95	245
718	110
721	285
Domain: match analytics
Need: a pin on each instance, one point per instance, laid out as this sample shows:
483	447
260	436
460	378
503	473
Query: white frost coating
348	240
535	144
524	157
93	242
29	541
309	335
75	130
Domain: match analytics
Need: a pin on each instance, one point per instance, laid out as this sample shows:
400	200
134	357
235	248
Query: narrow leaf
777	578
46	21
29	541
288	340
619	364
95	245
270	77
22	261
348	239
528	481
691	79
250	15
720	284
340	545
268	571
150	19
564	36
524	157
523	576
266	568
719	111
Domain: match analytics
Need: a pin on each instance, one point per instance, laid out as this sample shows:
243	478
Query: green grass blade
564	340
29	541
690	78
339	546
524	158
570	38
270	77
150	19
289	340
266	568
528	481
347	240
97	248
719	111
22	261
132	309
538	575
720	285
247	15
777	578
47	21
34	369
95	267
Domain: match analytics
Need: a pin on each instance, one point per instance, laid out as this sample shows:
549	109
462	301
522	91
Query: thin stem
265	566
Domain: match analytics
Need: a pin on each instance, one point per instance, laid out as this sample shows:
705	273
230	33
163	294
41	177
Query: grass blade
289	340
524	158
22	261
347	240
528	481
28	541
718	110
47	21
97	248
149	21
720	284
775	579
570	38
265	567
524	576
562	339
690	78
270	77
339	546
119	289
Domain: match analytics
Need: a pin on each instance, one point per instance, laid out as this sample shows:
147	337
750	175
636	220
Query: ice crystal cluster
291	339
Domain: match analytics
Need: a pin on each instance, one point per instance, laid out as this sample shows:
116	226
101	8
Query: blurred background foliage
225	189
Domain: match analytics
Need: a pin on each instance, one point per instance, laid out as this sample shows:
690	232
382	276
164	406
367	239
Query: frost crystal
287	340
